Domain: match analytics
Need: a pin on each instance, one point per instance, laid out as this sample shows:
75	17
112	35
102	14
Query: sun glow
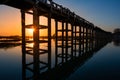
30	32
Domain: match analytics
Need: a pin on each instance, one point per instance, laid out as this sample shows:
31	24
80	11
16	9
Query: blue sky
102	13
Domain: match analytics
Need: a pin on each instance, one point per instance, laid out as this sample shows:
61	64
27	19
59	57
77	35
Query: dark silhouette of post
56	41
72	38
75	38
80	40
66	53
86	37
23	44
63	39
49	35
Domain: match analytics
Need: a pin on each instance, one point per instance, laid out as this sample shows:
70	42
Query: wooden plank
40	26
43	27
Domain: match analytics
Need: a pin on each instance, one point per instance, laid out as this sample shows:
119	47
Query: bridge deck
58	11
20	4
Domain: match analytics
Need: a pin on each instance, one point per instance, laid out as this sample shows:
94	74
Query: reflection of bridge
84	37
58	65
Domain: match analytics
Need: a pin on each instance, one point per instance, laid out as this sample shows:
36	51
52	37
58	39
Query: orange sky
10	22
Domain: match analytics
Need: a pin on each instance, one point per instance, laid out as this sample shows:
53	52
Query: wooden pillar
79	40
92	38
75	39
49	38
83	38
36	43
36	25
56	42
66	55
23	45
23	25
62	41
86	38
71	41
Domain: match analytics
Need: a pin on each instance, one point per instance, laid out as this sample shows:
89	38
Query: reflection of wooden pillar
36	68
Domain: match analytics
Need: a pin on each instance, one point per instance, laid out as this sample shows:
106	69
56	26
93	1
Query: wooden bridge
78	36
71	24
70	21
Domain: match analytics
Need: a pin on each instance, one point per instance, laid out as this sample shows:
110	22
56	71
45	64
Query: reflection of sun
30	45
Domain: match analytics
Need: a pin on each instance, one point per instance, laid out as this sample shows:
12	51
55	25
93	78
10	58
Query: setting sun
30	32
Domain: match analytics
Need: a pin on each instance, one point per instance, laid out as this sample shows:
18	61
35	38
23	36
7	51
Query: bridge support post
92	38
36	25
63	45
79	40
23	25
56	42
75	38
66	53
83	39
23	44
49	37
72	41
86	37
36	68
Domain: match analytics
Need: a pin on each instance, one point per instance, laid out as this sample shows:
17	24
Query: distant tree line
11	37
117	31
116	34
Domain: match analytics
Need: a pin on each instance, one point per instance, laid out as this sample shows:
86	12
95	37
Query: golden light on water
30	45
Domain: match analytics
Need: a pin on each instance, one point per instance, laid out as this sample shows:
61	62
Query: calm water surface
103	65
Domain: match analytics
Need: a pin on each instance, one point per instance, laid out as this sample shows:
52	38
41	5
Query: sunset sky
103	13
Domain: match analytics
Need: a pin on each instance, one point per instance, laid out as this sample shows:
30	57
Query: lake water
102	64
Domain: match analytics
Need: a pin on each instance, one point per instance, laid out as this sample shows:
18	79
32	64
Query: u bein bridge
79	40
